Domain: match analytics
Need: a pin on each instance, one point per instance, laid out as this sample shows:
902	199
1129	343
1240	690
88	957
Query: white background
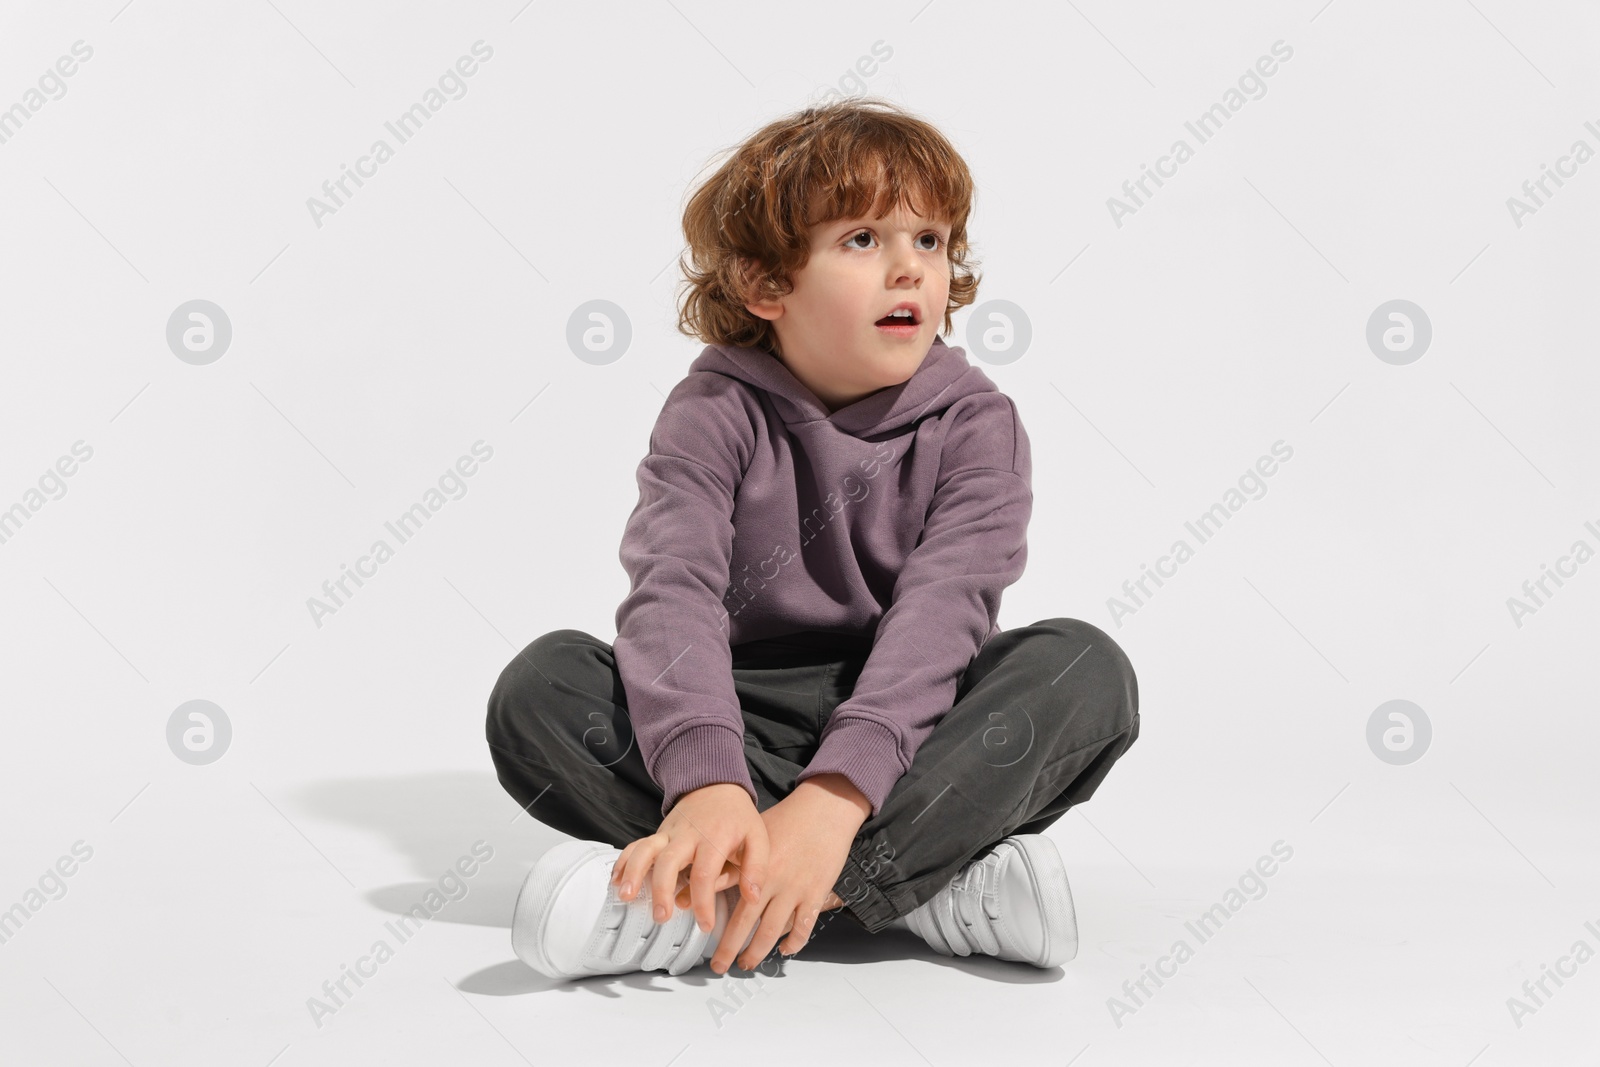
1167	354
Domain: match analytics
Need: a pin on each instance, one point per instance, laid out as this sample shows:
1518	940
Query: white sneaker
569	922
1012	902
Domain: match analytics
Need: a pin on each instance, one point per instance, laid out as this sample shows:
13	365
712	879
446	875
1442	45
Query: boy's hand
711	830
809	833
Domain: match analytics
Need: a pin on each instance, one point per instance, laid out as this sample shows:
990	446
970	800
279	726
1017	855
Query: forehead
879	202
900	215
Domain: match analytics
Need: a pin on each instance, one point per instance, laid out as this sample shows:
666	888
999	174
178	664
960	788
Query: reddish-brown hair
747	226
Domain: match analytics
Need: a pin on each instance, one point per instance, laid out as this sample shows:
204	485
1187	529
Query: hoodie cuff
701	755
864	751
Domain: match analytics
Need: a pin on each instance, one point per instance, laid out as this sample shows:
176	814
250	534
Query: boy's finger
753	865
728	876
664	880
805	923
622	863
740	923
775	922
702	886
641	854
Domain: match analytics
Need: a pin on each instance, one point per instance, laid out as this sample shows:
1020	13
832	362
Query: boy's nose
907	266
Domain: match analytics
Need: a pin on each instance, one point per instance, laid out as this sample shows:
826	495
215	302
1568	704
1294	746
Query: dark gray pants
1041	714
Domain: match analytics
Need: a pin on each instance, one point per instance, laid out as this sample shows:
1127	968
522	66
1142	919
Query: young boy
809	704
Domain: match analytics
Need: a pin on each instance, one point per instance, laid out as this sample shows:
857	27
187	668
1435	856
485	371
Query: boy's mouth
904	315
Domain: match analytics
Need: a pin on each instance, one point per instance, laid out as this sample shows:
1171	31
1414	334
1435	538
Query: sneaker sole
531	914
1053	894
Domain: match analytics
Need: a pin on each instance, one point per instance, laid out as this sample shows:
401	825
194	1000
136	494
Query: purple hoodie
898	520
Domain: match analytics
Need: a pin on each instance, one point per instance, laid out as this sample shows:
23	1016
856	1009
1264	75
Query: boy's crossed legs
1040	716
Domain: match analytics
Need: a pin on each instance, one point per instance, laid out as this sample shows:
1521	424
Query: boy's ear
764	309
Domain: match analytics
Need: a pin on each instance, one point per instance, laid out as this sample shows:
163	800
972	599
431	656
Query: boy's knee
530	673
1084	646
1080	634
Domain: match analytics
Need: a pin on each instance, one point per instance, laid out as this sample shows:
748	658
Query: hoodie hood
944	377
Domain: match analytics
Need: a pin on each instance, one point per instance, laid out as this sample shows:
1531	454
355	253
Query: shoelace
628	935
960	913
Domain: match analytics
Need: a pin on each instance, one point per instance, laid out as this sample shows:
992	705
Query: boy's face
861	269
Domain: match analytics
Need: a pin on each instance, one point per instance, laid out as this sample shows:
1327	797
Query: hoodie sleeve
945	604
672	650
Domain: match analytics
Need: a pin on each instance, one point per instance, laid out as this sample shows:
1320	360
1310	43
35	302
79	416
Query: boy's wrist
840	790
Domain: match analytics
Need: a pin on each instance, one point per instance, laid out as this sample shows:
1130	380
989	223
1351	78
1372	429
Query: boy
808	678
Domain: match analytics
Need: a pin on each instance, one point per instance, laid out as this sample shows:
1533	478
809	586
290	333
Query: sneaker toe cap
559	907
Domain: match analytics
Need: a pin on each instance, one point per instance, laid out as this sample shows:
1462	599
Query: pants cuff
874	904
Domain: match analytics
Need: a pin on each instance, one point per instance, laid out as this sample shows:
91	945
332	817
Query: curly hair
747	226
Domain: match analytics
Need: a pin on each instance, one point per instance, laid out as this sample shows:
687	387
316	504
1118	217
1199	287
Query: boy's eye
936	238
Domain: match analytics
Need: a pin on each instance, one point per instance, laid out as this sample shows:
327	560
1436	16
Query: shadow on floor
435	819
